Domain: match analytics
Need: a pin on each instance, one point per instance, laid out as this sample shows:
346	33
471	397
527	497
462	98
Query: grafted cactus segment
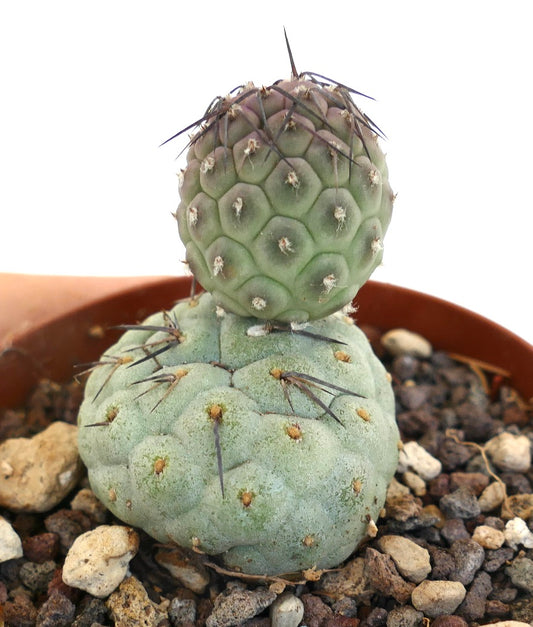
298	149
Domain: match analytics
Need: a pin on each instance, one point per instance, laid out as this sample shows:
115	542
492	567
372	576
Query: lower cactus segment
269	447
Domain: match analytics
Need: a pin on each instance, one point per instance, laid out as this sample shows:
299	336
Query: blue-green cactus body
285	201
222	442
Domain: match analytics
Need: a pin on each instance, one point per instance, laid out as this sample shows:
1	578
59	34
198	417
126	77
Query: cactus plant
226	425
205	432
285	199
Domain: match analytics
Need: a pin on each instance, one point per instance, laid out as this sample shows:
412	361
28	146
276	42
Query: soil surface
454	544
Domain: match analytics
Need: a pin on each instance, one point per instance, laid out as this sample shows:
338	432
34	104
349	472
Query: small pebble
415	483
349	581
182	611
346	607
476	481
396	489
476	423
67	524
98	560
413	396
286	611
492	496
403	342
510	623
510	452
521	573
414	457
384	577
91	611
316	612
522	610
504	593
461	503
404	367
473	607
426	517
37	577
39	472
130	602
19	612
518	505
454	529
439	486
453	454
56	611
86	502
488	537
516	483
518	533
414	424
41	547
495	522
236	605
436	598
469	557
405	616
495	559
412	560
376	618
496	609
10	543
186	568
403	507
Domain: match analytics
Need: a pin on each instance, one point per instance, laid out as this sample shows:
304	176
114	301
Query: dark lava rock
56	611
461	503
473	607
469	557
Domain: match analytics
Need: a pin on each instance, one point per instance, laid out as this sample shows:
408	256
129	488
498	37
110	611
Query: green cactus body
285	201
204	430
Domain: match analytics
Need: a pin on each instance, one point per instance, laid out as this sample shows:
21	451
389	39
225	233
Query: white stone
415	482
488	537
404	342
412	560
10	544
517	532
492	496
511	453
43	469
415	457
286	611
98	560
438	598
510	623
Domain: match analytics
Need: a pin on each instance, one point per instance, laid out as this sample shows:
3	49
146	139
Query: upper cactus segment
285	199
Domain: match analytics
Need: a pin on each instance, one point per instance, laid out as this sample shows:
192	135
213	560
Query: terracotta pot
48	325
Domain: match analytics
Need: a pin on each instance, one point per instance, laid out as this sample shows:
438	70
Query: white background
90	89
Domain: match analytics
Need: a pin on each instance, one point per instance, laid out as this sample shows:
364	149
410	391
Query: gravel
454	544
